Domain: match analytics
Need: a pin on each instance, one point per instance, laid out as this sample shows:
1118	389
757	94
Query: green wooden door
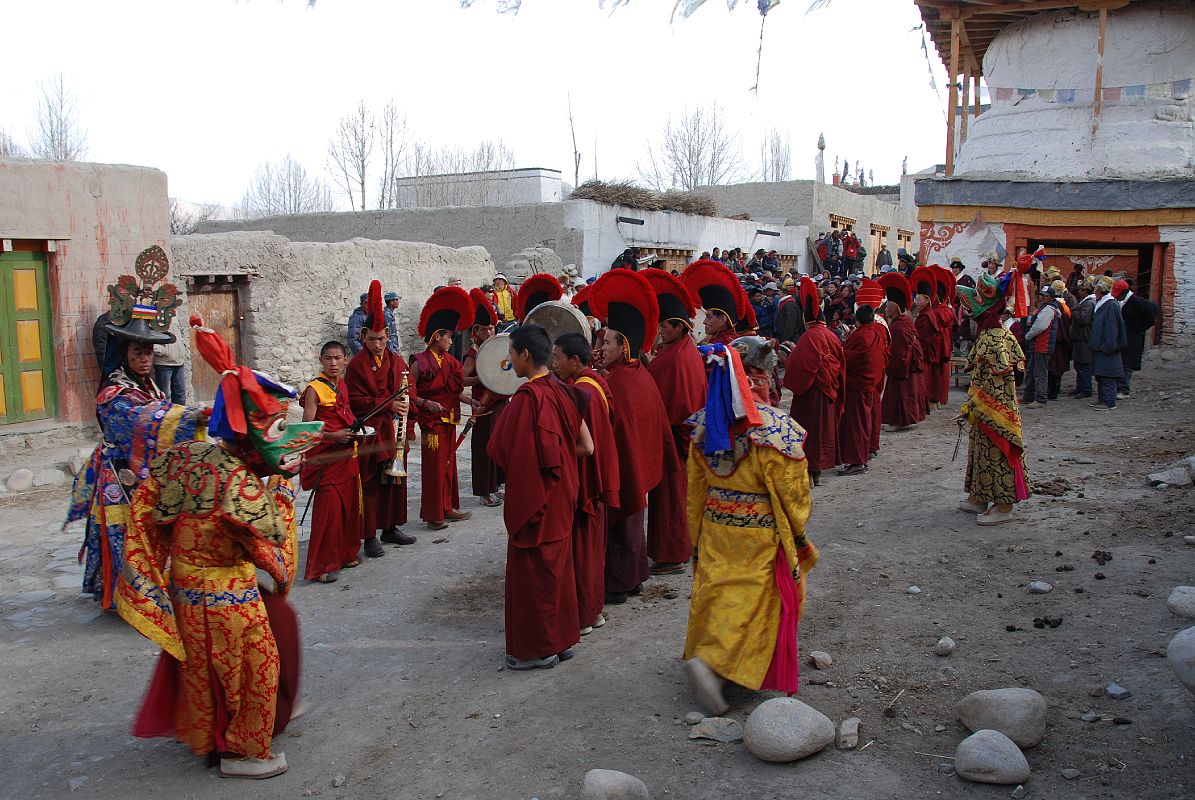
27	390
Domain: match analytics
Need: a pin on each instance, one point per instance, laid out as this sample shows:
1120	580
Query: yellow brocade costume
743	504
202	524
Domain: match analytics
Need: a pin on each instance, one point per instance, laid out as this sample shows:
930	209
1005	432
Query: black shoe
395	535
374	549
566	655
615	598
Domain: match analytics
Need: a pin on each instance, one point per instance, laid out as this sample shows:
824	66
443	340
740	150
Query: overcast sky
208	89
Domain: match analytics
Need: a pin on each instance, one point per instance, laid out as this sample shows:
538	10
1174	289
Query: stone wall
1178	299
302	293
99	217
506	187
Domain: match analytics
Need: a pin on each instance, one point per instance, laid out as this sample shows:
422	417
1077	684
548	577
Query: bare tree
775	156
699	149
185	217
9	148
576	153
468	171
285	188
349	154
392	136
58	135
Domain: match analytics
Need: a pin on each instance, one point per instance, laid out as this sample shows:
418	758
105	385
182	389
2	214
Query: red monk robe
330	471
903	403
440	380
643	441
946	321
537	435
927	325
866	356
598	477
679	372
369	384
815	372
487	476
879	409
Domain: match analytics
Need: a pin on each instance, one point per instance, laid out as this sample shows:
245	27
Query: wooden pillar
975	93
1099	74
1157	280
965	105
952	103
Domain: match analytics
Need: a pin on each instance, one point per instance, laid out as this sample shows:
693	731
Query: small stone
1189	539
1121	721
939	727
1071	773
338	781
821	659
944	647
785	729
1099	576
1161	487
76	784
1175	476
608	784
1181	602
1090	716
1039	587
21	480
818	679
1018	792
693	717
720	729
1019	714
848	733
913	590
1117	692
990	757
49	477
1181	655
945	768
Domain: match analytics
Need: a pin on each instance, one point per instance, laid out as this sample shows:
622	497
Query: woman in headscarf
996	476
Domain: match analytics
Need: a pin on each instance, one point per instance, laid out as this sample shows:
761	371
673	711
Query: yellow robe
742	505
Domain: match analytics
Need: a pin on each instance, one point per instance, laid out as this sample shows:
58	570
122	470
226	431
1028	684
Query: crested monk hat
539	288
581	300
624	302
870	293
924	281
375	309
483	310
716	288
448	309
897	289
810	300
944	283
137	311
675	300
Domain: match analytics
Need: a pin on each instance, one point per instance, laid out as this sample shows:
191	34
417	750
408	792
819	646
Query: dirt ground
401	657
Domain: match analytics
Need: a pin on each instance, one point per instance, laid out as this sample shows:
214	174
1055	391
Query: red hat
483	311
1119	288
944	282
923	280
748	323
810	300
897	289
624	301
539	288
448	309
869	293
716	288
375	310
676	302
581	300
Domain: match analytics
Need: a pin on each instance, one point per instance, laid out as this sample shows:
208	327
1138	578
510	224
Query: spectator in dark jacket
1138	314
1081	321
1108	341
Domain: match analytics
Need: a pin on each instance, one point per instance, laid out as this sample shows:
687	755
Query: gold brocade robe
202	524
744	504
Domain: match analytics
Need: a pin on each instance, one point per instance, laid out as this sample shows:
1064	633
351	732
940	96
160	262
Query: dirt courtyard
401	657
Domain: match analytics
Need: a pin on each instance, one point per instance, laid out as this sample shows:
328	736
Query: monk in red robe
947	321
439	386
715	288
374	377
598	478
926	323
904	398
330	471
487	477
541	434
815	373
866	356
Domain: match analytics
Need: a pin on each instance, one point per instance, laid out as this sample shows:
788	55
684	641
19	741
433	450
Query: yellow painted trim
1059	218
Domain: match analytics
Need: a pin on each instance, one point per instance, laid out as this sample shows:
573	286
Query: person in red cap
539	288
487	478
1139	316
903	402
679	372
721	295
815	373
627	306
374	376
439	387
946	322
866	357
926	323
541	434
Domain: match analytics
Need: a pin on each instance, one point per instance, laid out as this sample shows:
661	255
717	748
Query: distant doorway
219	306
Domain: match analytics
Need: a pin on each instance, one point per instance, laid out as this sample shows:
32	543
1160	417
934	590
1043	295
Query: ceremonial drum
558	318
494	369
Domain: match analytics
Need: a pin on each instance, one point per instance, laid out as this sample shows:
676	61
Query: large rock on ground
1181	655
21	480
608	784
990	757
1174	476
1019	714
1182	602
785	729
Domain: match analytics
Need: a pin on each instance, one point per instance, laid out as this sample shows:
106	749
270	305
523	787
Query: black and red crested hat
749	323
483	310
716	288
581	300
944	282
897	289
869	294
375	309
448	309
810	300
624	301
676	302
924	281
539	288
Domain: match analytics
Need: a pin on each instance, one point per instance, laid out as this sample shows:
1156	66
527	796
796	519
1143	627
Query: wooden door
27	385
218	307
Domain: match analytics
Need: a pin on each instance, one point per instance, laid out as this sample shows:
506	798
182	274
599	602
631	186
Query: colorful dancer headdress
138	312
985	296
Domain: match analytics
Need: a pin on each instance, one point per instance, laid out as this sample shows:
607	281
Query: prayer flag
1180	88
1135	91
1158	90
1026	92
1112	92
1066	96
1047	95
1004	94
